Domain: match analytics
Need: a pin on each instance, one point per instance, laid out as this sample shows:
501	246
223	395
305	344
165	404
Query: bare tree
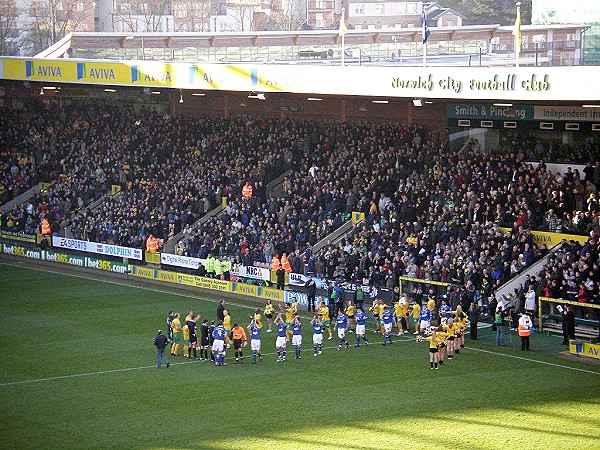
143	15
51	20
192	15
10	43
288	15
242	11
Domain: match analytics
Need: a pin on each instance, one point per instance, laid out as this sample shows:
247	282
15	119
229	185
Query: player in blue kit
387	320
218	347
342	323
424	320
281	341
317	335
297	336
255	343
445	312
361	326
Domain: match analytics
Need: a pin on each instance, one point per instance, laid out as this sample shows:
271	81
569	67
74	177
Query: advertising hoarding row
64	258
499	83
97	248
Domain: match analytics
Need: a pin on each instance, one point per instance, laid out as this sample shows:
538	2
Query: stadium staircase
171	244
520	278
65	231
20	199
334	237
274	187
552	323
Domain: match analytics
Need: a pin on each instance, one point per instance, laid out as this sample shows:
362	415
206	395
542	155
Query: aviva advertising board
498	83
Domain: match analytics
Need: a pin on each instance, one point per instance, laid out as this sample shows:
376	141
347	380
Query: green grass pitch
78	371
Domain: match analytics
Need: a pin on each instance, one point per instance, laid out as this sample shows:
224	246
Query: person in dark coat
160	342
280	273
473	314
492	308
568	324
311	292
220	310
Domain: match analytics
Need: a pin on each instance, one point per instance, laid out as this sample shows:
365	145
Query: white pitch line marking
38	380
127	369
533	360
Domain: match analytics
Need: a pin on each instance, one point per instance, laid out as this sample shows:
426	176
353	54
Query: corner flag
425	29
517	29
343	29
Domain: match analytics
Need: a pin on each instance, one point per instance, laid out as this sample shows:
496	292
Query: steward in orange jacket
152	244
285	263
525	326
247	191
45	227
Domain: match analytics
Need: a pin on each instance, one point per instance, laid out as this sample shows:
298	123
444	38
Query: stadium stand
429	212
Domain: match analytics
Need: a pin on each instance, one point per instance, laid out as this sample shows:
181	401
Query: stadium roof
178	40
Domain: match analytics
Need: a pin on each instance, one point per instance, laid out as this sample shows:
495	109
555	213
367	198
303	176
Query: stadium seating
429	212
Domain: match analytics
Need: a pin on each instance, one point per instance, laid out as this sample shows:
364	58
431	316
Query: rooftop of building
284	46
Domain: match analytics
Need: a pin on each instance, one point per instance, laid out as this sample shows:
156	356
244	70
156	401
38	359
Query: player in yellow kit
227	325
290	311
323	312
401	311
186	340
257	318
432	308
350	311
416	312
377	309
176	327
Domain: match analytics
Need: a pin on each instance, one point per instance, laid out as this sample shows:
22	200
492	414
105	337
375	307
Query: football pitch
78	371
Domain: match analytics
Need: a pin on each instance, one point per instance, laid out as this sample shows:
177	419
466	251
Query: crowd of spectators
181	170
73	149
572	273
531	148
430	212
327	180
439	220
21	151
171	170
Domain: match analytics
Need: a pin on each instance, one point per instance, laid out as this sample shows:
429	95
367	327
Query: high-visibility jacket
247	190
45	226
219	267
285	263
226	265
275	263
524	330
238	333
210	264
151	244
